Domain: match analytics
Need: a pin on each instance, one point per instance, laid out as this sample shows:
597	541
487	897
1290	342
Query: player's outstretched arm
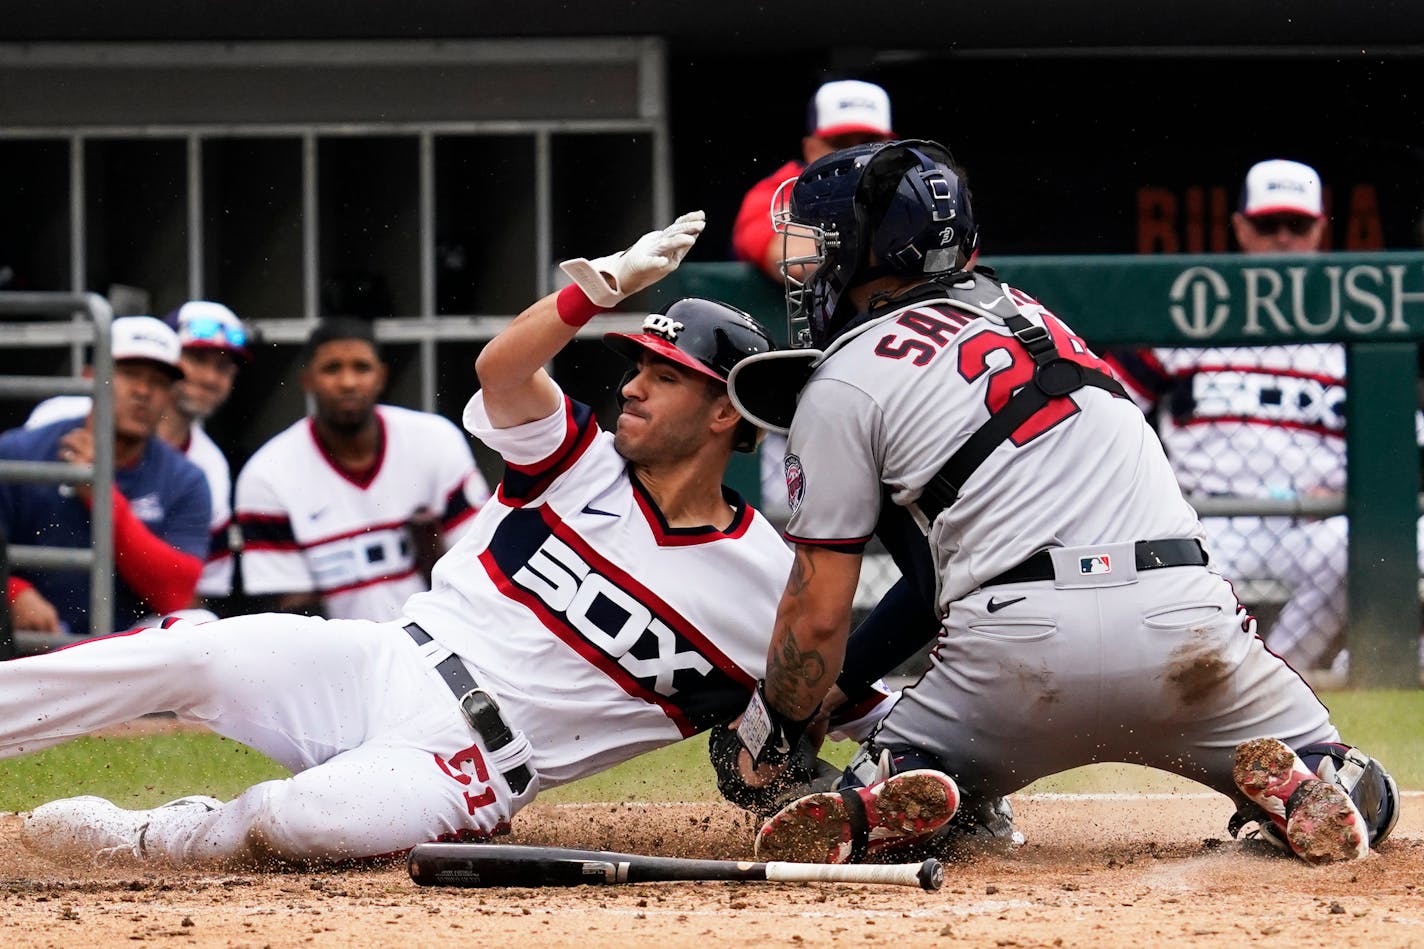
514	385
807	649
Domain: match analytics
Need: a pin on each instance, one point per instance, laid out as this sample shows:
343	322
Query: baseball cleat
851	824
94	827
1317	819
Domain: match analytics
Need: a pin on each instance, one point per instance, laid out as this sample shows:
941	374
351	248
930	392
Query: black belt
1150	555
478	708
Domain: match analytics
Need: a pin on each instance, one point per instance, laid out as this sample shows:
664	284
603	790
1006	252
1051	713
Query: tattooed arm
812	625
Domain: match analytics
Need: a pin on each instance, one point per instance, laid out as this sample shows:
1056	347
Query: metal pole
101	572
427	269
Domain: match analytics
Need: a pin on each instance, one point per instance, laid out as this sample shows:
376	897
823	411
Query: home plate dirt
1096	871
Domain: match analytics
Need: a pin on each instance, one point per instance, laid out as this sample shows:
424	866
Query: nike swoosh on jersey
593	510
997	605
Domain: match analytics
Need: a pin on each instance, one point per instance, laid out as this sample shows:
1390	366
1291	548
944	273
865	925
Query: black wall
1084	154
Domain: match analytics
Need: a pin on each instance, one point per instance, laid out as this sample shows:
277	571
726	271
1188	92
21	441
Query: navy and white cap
849	107
146	339
1279	186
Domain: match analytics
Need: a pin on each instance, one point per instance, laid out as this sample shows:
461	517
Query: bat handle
928	875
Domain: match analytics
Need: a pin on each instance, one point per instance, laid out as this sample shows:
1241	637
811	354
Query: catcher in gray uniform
1032	509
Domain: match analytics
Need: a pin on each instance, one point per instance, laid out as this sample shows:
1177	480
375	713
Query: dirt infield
1095	872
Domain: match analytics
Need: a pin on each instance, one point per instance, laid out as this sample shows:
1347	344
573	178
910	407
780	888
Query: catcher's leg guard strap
859	823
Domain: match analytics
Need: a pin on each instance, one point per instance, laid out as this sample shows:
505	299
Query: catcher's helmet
900	204
703	335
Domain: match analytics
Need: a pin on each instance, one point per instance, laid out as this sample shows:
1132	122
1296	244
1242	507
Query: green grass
141	772
134	772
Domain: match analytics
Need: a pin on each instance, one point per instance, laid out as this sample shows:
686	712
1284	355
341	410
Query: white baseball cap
148	339
204	324
1279	186
849	106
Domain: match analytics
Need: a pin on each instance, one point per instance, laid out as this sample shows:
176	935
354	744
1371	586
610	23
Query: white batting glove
607	281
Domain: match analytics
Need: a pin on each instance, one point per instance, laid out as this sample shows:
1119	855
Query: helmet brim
632	345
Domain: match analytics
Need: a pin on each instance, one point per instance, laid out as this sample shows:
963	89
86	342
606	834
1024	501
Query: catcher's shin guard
1363	778
1317	818
853	824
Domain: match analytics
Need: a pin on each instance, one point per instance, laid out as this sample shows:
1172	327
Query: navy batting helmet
882	208
704	335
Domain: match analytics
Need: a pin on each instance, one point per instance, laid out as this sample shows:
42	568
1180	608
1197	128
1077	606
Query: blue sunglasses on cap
213	331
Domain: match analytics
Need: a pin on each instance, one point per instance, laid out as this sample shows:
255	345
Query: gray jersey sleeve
835	453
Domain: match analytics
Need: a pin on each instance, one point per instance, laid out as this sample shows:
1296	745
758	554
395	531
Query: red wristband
575	308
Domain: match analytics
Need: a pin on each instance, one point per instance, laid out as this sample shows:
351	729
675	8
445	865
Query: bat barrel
486	865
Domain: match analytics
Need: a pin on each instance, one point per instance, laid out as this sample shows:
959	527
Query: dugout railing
48	320
1371	302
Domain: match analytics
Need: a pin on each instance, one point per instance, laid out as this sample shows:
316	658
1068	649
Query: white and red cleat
1316	817
853	824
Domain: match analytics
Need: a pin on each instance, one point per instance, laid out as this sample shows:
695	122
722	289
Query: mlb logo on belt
1098	563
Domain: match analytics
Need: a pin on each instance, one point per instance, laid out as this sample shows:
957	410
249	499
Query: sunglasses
1297	224
215	332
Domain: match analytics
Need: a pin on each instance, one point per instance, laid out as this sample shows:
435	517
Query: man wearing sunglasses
1264	422
215	345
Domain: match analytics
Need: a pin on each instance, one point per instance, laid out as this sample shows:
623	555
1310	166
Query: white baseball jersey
602	631
310	526
57	407
217	570
1250	421
202	451
895	398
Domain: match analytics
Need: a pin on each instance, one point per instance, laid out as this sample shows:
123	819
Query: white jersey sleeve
216	579
59	407
463	488
271	560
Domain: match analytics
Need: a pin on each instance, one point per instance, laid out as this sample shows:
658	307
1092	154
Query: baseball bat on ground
481	865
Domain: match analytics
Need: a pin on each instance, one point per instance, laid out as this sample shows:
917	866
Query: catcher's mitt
804	773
